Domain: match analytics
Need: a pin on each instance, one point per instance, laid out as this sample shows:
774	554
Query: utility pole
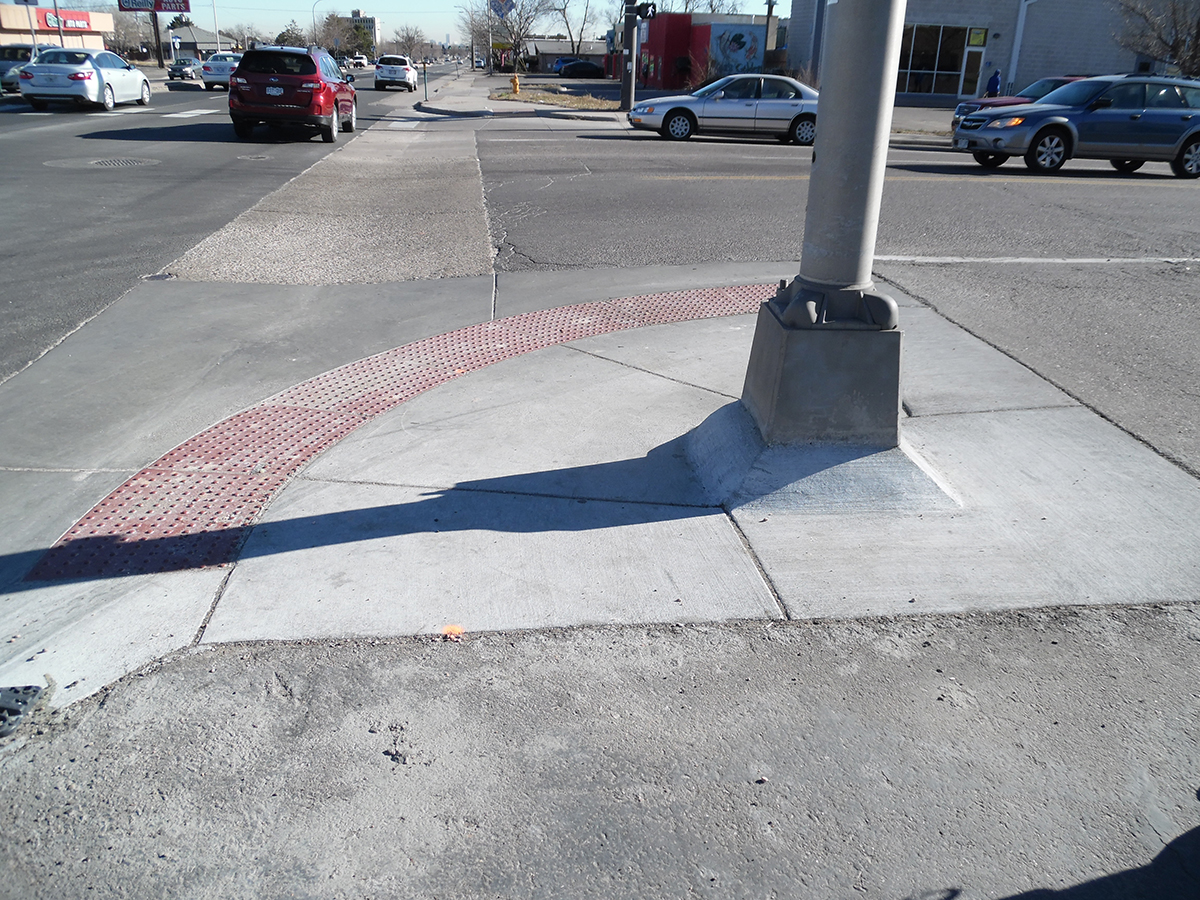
157	38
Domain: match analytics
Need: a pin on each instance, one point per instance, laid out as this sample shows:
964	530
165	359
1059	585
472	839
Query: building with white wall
951	47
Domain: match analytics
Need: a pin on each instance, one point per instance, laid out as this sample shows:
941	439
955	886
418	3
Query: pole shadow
663	485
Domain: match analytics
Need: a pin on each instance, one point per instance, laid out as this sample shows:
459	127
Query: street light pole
825	364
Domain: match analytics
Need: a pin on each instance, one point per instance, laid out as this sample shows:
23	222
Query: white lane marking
408	124
191	113
1054	260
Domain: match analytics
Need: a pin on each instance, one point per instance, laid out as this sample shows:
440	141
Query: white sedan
753	104
217	68
83	76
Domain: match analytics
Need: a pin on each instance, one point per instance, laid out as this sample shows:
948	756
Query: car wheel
990	160
329	132
1187	163
1048	151
1126	165
107	100
352	122
243	129
803	131
678	126
39	105
208	86
381	87
144	100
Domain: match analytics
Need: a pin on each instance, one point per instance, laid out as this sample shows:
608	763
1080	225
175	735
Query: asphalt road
110	198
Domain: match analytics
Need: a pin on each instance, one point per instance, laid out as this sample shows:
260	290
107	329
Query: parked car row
1128	120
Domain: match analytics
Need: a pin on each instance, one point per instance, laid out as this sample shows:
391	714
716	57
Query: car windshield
222	57
393	61
1077	93
278	64
1039	88
711	89
62	58
14	54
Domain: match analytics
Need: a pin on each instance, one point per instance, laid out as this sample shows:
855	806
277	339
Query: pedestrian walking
993	85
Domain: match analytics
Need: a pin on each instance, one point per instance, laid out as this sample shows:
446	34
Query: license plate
274	92
962	143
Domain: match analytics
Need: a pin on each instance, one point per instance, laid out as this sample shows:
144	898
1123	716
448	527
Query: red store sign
71	21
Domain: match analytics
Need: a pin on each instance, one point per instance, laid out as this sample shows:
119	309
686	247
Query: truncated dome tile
193	506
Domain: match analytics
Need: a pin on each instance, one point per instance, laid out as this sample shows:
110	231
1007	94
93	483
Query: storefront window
932	58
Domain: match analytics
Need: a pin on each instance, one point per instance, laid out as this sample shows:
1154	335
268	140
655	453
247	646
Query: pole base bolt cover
800	305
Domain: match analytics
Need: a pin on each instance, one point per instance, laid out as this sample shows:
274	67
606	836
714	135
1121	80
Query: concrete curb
547	113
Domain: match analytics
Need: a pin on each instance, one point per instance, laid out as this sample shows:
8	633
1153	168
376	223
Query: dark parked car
581	68
1035	91
1127	119
292	86
562	61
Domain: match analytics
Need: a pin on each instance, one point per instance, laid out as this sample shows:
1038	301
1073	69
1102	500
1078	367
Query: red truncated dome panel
193	506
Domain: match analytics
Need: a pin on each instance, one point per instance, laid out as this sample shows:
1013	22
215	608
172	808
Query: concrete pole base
823	385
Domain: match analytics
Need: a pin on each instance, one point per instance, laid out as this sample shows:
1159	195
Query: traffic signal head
646	10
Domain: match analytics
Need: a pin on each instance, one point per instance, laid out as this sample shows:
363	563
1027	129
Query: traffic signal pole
627	60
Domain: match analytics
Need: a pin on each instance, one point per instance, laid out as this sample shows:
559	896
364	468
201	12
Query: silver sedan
83	76
217	68
746	104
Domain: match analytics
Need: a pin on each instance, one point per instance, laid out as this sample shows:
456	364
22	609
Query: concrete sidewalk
688	663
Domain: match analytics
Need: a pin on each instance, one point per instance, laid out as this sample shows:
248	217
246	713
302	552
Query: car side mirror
719	95
349	77
1101	103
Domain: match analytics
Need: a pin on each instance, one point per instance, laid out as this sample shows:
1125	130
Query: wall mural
737	48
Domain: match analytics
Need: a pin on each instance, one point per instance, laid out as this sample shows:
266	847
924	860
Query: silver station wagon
1127	119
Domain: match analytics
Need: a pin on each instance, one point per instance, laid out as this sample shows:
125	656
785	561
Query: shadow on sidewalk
660	486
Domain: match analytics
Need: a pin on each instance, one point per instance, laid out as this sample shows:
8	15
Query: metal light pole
216	27
825	364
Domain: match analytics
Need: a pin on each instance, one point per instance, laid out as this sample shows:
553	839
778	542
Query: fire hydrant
516	84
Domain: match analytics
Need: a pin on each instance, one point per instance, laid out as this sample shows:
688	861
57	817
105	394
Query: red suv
291	86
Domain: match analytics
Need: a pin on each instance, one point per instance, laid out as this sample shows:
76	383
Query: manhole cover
124	162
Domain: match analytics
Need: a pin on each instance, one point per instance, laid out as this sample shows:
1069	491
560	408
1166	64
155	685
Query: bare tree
473	26
514	27
565	9
1164	30
126	37
409	39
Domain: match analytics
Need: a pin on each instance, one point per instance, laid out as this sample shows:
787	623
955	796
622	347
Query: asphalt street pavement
384	573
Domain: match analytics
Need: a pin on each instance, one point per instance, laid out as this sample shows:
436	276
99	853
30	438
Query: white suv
358	61
397	70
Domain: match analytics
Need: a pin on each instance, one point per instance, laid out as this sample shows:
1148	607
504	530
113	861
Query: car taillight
80	76
238	80
207	68
28	76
